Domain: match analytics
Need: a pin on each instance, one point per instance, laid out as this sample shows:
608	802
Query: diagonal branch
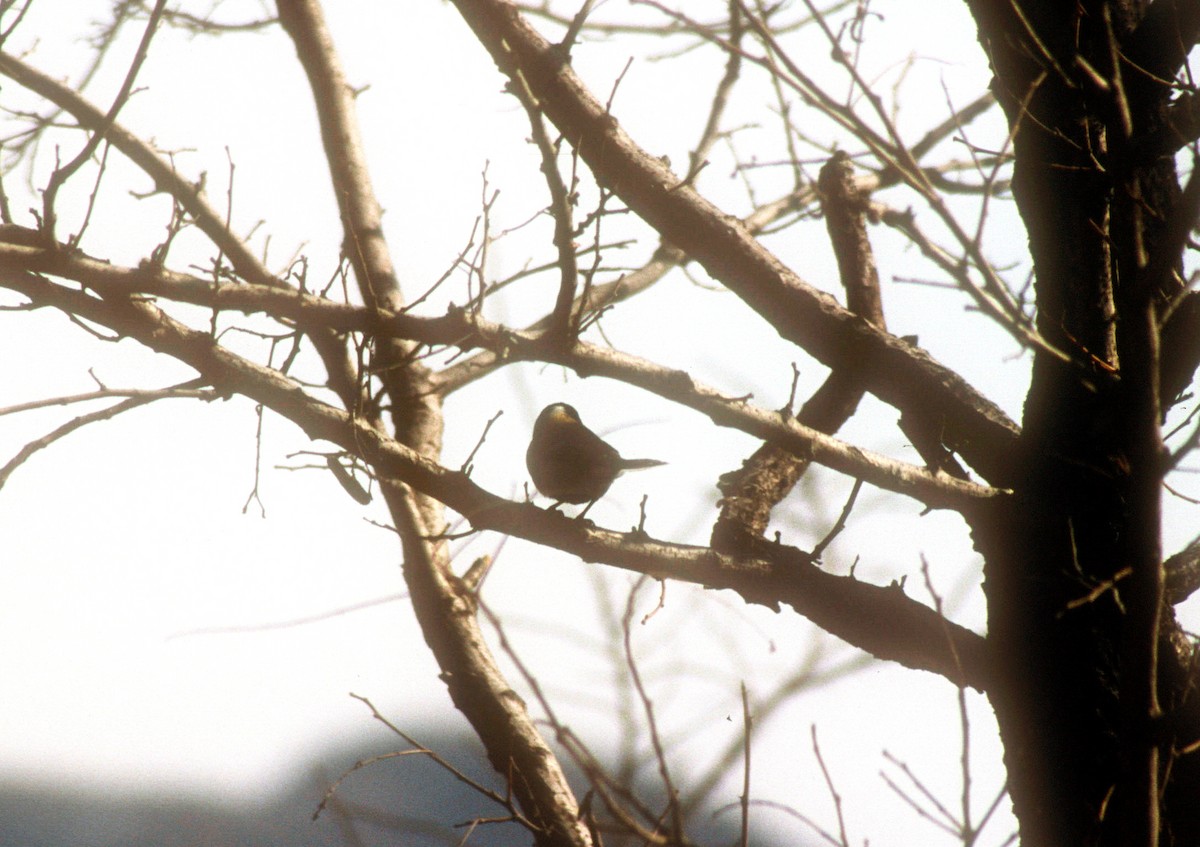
1163	39
564	320
191	197
444	606
895	371
590	299
751	492
666	258
60	176
363	242
133	400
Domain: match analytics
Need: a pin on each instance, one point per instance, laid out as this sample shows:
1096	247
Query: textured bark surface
1079	682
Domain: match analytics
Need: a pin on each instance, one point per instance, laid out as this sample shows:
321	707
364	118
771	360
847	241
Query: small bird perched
571	464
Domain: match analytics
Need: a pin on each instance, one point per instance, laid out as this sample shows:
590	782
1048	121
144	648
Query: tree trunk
1073	561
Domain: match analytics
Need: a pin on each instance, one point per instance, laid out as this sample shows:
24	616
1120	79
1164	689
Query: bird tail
638	464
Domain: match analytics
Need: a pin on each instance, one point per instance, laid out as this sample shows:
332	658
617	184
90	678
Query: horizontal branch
882	621
935	489
145	395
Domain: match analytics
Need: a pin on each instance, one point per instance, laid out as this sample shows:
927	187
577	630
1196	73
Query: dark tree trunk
1073	561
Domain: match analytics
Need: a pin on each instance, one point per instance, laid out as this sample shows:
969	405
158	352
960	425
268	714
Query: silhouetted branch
883	621
894	371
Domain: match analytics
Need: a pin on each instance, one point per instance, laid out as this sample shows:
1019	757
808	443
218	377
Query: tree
1085	664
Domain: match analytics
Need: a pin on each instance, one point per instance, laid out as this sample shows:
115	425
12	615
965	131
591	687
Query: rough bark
1079	683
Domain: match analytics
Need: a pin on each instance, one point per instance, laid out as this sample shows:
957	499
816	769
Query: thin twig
673	807
466	465
61	174
146	395
833	792
291	623
840	524
421	750
560	207
139	399
967	831
747	724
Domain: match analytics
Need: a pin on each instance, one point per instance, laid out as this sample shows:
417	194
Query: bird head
557	414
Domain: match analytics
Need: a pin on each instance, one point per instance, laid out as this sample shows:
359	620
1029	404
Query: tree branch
666	257
60	175
1181	573
896	372
563	319
342	378
134	399
1160	44
880	620
443	605
751	492
934	488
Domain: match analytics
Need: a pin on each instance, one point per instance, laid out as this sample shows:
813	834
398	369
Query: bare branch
563	320
934	488
473	678
136	398
464	330
190	196
842	840
62	174
673	806
751	492
883	621
666	258
894	371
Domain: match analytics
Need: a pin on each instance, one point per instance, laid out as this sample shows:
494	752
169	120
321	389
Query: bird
571	464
